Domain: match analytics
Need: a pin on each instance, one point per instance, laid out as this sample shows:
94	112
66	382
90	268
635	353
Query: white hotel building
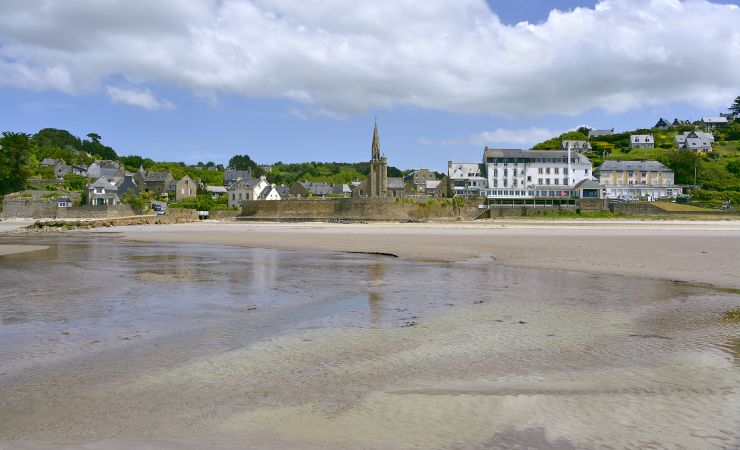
522	174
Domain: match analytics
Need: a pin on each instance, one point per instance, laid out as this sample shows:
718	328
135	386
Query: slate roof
341	189
216	189
644	166
586	184
283	190
433	184
230	176
156	177
466	170
316	188
50	162
530	154
714	119
697	144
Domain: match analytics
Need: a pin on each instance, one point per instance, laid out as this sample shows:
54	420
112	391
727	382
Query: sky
281	80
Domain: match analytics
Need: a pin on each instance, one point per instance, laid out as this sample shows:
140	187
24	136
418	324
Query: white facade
244	190
467	179
533	173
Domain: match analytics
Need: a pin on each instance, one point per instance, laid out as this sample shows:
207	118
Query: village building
396	188
105	168
158	182
104	191
128	183
245	189
232	176
633	180
681	123
663	124
181	189
269	193
696	141
309	189
216	191
436	188
466	179
342	190
713	123
579	146
599	133
515	173
642	141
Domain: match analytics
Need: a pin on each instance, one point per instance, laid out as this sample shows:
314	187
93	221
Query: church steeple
376	144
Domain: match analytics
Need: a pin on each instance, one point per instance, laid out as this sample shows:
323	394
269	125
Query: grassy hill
717	172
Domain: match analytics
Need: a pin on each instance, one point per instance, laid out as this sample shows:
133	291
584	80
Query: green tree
244	162
15	150
734	167
554	143
684	164
136	202
75	182
735	108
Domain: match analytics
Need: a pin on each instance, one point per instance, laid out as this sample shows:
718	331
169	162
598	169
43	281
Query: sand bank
15	249
700	252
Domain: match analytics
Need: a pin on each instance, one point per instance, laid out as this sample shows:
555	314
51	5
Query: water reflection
226	345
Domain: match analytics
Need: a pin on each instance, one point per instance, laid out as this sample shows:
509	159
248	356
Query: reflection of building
635	179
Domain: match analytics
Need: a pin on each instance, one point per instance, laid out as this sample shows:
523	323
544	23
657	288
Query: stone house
436	188
642	141
105	168
104	191
182	189
396	187
158	182
306	189
232	176
216	191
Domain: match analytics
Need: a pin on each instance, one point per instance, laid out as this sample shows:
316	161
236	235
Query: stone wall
354	209
223	215
182	214
95	212
28	208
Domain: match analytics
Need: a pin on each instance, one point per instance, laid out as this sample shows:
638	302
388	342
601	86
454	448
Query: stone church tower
377	180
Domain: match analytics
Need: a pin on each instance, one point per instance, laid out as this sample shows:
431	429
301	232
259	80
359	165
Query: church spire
376	144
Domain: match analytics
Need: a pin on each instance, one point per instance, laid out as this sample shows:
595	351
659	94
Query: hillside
717	172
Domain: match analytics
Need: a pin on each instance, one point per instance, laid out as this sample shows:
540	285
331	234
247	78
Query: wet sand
697	252
16	249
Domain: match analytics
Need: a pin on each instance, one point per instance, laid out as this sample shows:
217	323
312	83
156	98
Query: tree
554	143
735	108
94	137
136	202
75	182
684	165
14	153
244	162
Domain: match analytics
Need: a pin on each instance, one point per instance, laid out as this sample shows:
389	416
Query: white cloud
501	137
342	57
141	97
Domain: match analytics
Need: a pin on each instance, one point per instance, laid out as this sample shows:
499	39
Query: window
555	181
506	172
539	171
557	170
495	172
529	179
565	171
547	181
547	171
515	172
585	171
565	181
233	196
539	181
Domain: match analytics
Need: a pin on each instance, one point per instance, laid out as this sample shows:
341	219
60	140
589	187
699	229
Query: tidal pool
108	345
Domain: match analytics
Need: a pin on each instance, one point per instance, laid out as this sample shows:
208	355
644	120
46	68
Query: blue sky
192	81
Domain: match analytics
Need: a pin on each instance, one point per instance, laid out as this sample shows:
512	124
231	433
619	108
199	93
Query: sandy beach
690	251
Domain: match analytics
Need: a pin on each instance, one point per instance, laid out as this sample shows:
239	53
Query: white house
696	141
270	193
711	123
642	141
466	179
245	189
636	179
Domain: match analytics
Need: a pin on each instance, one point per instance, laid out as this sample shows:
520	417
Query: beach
332	336
697	252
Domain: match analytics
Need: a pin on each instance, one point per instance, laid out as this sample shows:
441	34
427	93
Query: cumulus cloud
141	97
343	57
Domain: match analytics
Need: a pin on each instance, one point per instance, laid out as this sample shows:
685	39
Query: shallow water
106	344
